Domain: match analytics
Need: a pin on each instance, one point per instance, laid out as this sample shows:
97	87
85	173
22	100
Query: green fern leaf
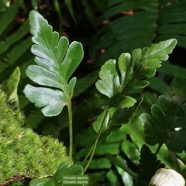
145	22
56	61
133	69
138	31
151	57
8	16
109	83
130	72
16	36
172	22
102	121
113	118
52	100
14	41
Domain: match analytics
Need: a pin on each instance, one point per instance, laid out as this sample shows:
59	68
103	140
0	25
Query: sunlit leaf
132	71
109	80
51	101
127	102
56	61
152	56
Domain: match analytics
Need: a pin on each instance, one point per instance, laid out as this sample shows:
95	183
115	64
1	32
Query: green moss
24	152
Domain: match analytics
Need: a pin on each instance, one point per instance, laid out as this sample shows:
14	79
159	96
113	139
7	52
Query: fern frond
8	16
131	24
172	22
126	32
134	69
14	41
56	61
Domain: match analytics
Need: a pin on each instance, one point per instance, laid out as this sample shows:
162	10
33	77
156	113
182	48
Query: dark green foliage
141	22
115	36
148	166
166	123
9	15
14	41
124	90
172	22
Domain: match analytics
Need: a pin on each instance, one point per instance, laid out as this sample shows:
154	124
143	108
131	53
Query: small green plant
56	61
120	83
126	120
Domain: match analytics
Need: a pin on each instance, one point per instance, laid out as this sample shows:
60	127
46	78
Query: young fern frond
130	72
56	61
133	69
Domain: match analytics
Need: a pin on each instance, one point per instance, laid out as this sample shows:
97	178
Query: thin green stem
88	154
95	144
69	106
93	151
70	131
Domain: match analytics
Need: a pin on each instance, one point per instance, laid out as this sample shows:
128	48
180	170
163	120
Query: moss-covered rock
22	151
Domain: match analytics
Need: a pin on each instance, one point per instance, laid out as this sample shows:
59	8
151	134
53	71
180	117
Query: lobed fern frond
56	61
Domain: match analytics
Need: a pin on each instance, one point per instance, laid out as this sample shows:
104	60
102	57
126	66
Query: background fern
14	41
141	22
